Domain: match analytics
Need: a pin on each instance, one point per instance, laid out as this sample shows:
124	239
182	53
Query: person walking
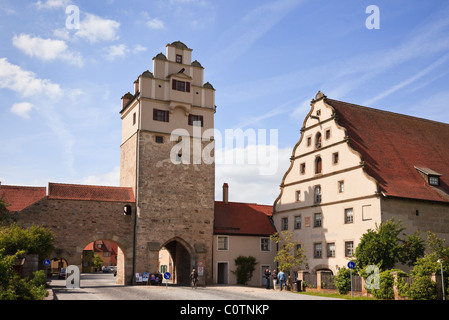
275	279
267	277
193	278
281	278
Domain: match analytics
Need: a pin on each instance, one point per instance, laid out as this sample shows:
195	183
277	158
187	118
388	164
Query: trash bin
298	285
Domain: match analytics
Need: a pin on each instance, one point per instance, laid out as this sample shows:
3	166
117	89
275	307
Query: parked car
62	274
108	269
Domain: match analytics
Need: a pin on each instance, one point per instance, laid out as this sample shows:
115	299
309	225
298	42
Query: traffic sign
47	262
351	265
167	275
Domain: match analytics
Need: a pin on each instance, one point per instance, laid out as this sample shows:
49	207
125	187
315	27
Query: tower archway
183	260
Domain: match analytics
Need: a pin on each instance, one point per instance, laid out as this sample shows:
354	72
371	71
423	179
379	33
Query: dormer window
434	180
180	85
178	58
433	177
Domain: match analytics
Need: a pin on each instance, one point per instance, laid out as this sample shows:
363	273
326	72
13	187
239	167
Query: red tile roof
19	197
87	192
236	218
393	145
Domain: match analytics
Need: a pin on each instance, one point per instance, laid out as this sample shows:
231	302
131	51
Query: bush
422	288
386	282
343	281
245	268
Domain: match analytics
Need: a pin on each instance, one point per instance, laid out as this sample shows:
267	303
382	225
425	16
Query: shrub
386	282
422	288
343	281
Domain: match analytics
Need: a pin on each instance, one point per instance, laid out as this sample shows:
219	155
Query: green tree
384	247
32	240
98	262
343	280
245	268
290	255
5	216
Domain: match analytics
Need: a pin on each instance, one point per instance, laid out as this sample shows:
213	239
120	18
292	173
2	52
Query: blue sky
60	88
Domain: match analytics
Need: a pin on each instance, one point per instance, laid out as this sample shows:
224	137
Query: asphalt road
99	286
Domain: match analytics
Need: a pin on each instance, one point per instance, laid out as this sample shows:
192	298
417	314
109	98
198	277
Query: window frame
349	218
161	115
225	243
284	223
315	251
267	244
318	223
298	222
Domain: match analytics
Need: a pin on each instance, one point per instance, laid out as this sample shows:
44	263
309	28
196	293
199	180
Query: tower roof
179	44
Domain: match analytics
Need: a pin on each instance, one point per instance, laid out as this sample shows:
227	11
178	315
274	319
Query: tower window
160	115
195	120
178	58
318	165
302	168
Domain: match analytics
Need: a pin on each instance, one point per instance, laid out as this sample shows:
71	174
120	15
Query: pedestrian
193	278
281	278
275	279
267	277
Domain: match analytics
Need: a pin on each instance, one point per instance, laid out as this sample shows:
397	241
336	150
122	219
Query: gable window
309	141
317	194
134	118
222	243
341	186
178	58
318	165
335	158
349	215
180	85
298	195
195	120
160	115
264	244
302	168
328	134
317	220
284	224
318	140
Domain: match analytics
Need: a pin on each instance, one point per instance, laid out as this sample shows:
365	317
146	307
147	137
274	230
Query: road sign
47	262
167	275
351	265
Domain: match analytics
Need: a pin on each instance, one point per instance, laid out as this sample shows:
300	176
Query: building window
284	224
297	222
309	141
349	248
317	220
134	118
178	58
159	139
160	115
302	168
180	85
317	250
298	195
434	180
318	165
341	186
195	120
335	158
222	243
349	215
331	250
318	140
264	244
328	134
317	194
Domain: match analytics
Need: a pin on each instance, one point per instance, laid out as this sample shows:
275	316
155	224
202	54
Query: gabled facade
355	167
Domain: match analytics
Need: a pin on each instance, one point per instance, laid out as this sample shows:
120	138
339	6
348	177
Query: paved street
101	286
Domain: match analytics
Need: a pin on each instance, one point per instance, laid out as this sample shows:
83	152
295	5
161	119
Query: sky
61	82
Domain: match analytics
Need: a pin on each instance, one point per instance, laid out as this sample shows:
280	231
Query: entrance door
222	274
262	273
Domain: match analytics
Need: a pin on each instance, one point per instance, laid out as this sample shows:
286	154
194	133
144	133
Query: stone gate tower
165	122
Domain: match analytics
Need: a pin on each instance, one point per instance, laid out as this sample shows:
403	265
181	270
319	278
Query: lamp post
442	280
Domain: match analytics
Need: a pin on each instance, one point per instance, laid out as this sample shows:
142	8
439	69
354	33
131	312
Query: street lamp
442	280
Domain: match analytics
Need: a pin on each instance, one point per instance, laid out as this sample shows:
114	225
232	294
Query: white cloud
111	178
52	4
116	51
46	49
22	109
156	24
139	48
95	28
25	82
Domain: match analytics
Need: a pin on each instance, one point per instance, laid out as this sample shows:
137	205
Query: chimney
126	98
225	193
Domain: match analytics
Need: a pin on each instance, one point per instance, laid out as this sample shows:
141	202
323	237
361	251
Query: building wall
244	246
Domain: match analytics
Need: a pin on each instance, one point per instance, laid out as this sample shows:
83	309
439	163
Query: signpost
167	276
47	263
351	265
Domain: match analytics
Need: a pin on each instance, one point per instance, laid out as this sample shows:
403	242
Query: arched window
318	140
317	194
318	165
